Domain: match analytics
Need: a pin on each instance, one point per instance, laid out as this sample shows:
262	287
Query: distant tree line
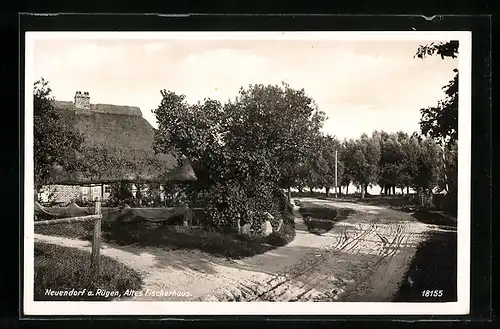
389	160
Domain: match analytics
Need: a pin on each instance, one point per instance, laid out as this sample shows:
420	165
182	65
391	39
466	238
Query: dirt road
363	258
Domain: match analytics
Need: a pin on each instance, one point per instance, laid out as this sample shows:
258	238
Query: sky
361	85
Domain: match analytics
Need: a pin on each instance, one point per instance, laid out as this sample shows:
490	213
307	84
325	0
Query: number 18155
432	293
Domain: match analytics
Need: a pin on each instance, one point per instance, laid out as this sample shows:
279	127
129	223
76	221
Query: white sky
361	85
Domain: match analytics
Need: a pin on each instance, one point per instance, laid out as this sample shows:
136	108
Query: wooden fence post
188	215
96	242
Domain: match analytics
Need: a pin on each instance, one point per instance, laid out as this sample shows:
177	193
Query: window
107	189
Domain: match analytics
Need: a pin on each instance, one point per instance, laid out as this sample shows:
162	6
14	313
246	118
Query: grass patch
431	217
146	234
434	267
320	220
63	269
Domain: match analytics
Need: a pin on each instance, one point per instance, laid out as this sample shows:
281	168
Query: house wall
68	193
90	193
59	193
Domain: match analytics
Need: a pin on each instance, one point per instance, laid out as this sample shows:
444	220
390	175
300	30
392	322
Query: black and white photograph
173	172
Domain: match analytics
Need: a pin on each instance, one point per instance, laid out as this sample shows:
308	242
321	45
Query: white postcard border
462	306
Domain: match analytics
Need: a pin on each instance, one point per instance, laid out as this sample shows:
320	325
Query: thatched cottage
118	130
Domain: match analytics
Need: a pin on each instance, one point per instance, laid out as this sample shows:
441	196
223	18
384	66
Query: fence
81	217
96	238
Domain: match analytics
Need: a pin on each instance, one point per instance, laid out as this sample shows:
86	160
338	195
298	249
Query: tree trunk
402	190
386	188
327	190
366	189
311	190
381	191
362	192
299	189
239	224
289	193
408	190
347	189
443	145
393	190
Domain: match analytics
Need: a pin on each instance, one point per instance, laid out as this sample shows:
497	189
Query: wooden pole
186	215
96	241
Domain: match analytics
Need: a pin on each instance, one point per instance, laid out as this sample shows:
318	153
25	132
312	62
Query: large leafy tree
56	143
242	150
391	162
365	160
276	123
441	121
346	157
408	163
429	164
333	146
319	170
193	131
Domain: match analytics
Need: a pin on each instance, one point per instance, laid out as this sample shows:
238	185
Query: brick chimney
82	100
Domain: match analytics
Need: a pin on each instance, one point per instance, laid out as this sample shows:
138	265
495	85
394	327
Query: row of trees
389	160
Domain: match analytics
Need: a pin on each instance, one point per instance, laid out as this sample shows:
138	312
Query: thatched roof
123	139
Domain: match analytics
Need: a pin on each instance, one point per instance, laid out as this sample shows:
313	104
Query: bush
283	237
286	234
229	201
225	204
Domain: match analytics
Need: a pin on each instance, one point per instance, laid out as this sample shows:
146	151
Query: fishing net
124	213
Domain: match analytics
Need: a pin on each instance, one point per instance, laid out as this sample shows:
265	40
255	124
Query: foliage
54	142
235	147
121	193
193	131
443	49
409	168
364	162
451	168
393	172
320	166
278	125
282	237
441	121
428	166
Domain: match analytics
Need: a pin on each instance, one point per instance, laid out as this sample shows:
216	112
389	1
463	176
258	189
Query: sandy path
363	258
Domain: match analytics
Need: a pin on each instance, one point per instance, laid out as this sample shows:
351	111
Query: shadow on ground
433	268
434	218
